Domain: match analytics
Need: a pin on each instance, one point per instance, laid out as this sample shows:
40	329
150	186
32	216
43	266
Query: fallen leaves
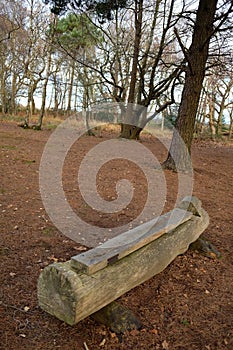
165	345
134	332
53	258
80	248
12	274
103	342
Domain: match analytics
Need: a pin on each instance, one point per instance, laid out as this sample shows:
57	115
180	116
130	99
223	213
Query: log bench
92	280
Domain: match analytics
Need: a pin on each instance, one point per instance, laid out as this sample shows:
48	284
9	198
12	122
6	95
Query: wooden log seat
89	281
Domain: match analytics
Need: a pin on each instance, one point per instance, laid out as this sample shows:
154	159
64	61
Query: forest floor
188	306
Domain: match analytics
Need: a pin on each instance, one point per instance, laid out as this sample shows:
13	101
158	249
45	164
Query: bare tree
134	58
48	57
196	56
11	33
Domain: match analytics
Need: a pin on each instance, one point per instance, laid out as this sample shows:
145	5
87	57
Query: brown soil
187	306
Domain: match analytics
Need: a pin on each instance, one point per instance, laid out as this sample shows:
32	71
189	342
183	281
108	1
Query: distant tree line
73	54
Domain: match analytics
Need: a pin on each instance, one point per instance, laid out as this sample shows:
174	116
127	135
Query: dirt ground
187	306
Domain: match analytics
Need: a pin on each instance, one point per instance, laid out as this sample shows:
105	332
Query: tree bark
137	40
13	94
48	73
211	120
70	89
3	88
131	131
178	157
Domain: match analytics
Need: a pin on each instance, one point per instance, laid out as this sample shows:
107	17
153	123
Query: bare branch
184	50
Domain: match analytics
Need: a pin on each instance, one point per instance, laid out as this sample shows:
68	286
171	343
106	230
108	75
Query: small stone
206	248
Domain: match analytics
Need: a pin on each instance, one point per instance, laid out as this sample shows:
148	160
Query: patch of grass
29	161
11	118
47	231
50	126
185	322
8	147
4	250
2	190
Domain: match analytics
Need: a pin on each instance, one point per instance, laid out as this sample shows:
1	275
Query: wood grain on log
116	248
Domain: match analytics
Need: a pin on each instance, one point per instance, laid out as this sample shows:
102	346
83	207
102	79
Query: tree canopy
102	8
141	55
75	31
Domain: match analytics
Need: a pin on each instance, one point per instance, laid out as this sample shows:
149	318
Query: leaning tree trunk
178	157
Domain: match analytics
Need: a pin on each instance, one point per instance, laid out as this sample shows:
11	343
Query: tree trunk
33	105
211	121
131	132
231	125
178	157
219	123
204	114
28	108
13	94
56	96
44	90
137	40
70	90
86	101
3	88
199	117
